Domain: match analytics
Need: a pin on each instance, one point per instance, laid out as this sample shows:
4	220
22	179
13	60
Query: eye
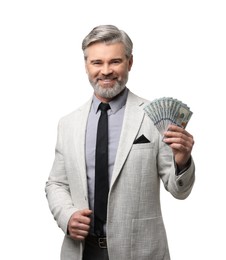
96	62
116	61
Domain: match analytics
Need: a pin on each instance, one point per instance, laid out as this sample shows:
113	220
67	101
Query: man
138	158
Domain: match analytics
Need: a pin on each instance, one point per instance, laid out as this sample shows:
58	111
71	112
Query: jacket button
180	183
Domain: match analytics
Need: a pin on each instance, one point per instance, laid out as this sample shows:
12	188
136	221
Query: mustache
111	77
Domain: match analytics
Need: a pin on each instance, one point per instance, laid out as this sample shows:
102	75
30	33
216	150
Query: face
107	68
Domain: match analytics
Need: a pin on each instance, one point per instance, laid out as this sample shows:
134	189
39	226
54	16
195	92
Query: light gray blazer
135	229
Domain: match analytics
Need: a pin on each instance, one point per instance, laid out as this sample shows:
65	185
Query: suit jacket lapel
80	142
131	124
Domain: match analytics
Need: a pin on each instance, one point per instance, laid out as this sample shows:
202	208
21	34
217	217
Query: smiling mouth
106	80
106	83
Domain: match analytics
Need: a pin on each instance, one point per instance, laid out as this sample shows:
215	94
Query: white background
179	51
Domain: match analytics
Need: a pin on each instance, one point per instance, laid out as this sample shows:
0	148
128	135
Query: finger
80	228
80	224
85	215
84	220
83	227
79	235
180	147
81	216
181	144
86	212
79	231
177	129
179	137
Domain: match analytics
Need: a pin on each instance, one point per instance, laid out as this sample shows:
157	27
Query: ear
86	67
130	62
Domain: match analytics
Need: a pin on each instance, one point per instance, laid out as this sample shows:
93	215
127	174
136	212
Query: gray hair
108	34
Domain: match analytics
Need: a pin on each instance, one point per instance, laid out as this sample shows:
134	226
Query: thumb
86	212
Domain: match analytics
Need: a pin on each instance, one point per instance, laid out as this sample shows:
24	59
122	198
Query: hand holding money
181	143
171	117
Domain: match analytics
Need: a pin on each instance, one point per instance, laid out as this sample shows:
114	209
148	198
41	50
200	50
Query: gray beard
109	92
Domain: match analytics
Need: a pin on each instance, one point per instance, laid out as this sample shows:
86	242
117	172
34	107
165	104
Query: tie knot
104	106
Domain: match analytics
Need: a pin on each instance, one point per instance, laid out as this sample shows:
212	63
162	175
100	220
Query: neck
102	99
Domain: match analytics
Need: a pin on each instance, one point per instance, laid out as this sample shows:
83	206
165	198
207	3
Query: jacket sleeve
57	188
179	186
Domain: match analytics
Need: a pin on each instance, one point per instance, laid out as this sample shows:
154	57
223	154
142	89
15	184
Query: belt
101	242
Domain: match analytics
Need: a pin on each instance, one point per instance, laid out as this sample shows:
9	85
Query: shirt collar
116	104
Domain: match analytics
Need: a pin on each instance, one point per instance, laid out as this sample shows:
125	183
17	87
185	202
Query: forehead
102	51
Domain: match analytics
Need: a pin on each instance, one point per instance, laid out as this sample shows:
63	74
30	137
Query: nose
106	69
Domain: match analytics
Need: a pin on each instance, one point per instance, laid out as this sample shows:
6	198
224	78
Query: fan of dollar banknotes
167	110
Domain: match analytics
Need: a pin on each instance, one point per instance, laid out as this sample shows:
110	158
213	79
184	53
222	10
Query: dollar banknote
167	110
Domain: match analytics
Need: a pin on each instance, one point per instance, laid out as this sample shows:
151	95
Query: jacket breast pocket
149	239
143	146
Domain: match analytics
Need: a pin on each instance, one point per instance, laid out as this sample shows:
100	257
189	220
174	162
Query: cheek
121	71
92	73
